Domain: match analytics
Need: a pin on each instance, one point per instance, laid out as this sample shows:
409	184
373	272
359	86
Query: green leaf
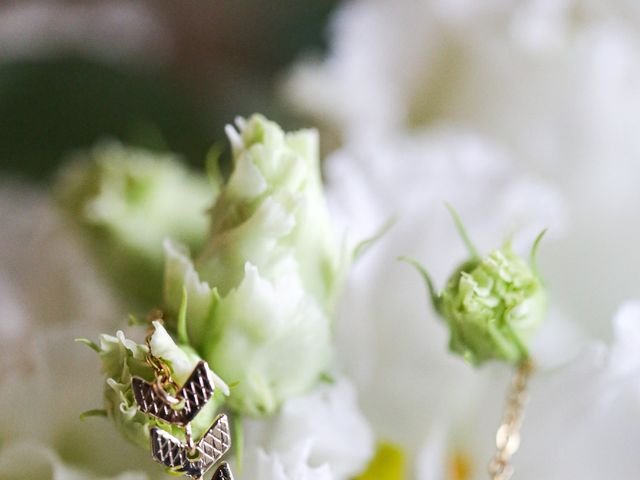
97	412
85	341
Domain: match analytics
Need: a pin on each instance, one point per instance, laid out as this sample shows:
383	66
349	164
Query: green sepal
433	293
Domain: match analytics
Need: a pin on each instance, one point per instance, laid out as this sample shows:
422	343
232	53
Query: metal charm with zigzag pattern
174	453
223	472
193	395
193	459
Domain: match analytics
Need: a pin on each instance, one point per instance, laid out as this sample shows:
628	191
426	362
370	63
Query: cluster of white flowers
273	287
552	82
50	295
521	115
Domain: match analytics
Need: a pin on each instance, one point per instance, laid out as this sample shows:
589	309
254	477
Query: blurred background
160	74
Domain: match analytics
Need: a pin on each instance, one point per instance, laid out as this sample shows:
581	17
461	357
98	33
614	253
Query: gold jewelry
166	401
508	434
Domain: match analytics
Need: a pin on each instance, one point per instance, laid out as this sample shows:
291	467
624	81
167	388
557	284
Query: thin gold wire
165	385
508	434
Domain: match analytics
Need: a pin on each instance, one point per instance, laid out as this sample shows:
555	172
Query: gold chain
508	434
164	379
164	383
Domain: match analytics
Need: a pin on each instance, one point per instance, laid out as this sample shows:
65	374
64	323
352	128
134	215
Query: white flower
57	377
392	343
48	296
291	465
553	82
589	406
42	364
45	277
327	422
539	74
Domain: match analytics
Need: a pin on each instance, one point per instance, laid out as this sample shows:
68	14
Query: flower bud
126	201
492	304
122	359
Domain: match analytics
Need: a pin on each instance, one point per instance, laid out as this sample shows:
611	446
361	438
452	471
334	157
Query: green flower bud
126	201
122	359
261	293
492	304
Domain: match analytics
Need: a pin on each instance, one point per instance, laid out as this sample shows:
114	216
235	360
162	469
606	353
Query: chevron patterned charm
216	442
194	394
223	472
185	457
174	453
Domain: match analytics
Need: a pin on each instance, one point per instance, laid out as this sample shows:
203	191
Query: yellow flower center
387	464
459	467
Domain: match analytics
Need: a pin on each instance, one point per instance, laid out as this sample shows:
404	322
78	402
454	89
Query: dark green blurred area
51	106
